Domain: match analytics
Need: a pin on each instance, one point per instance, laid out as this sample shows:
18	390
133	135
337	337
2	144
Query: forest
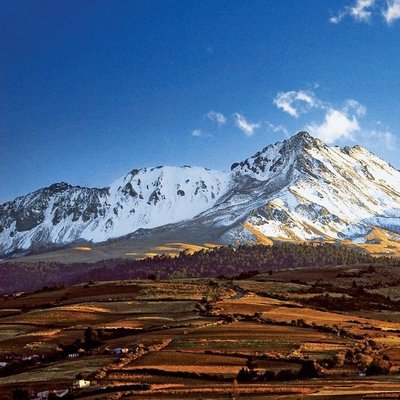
227	261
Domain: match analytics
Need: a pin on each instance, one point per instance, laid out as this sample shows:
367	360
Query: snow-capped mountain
145	198
313	191
299	189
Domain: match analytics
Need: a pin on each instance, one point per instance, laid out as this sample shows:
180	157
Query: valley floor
306	333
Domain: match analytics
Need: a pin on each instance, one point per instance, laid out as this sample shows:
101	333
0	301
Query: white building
80	384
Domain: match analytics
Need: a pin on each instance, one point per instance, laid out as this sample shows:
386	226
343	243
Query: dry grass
250	338
189	362
272	287
64	370
159	307
248	304
261	238
83	248
11	331
174	248
380	242
60	317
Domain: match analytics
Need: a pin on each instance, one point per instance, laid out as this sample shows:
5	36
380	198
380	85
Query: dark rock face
155	197
27	220
129	190
63	200
200	187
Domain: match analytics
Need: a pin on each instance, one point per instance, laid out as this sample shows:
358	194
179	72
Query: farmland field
191	338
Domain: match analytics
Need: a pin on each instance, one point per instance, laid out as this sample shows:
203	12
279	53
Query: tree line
226	261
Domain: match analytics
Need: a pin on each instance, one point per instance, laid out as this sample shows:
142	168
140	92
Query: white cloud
382	137
356	106
338	122
361	11
277	128
296	103
336	125
389	139
336	19
200	133
217	117
344	123
392	12
245	126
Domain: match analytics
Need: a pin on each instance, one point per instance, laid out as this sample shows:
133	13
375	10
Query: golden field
189	338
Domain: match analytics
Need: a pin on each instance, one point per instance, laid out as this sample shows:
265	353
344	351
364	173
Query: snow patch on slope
298	189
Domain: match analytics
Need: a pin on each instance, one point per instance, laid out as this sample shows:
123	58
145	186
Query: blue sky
90	90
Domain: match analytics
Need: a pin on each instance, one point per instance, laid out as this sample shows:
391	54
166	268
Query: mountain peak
297	189
59	187
272	158
303	138
303	135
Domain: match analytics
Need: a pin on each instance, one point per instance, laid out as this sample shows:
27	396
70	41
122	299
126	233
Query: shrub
310	369
286	375
338	359
251	364
363	360
20	394
378	367
269	375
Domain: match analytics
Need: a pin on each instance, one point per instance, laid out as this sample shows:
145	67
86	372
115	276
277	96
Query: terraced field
189	339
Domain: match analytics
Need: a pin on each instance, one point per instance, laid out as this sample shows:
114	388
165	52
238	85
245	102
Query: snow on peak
329	192
299	188
277	158
152	197
144	198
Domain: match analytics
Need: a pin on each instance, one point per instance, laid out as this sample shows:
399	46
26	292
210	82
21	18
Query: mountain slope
299	189
328	192
146	198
